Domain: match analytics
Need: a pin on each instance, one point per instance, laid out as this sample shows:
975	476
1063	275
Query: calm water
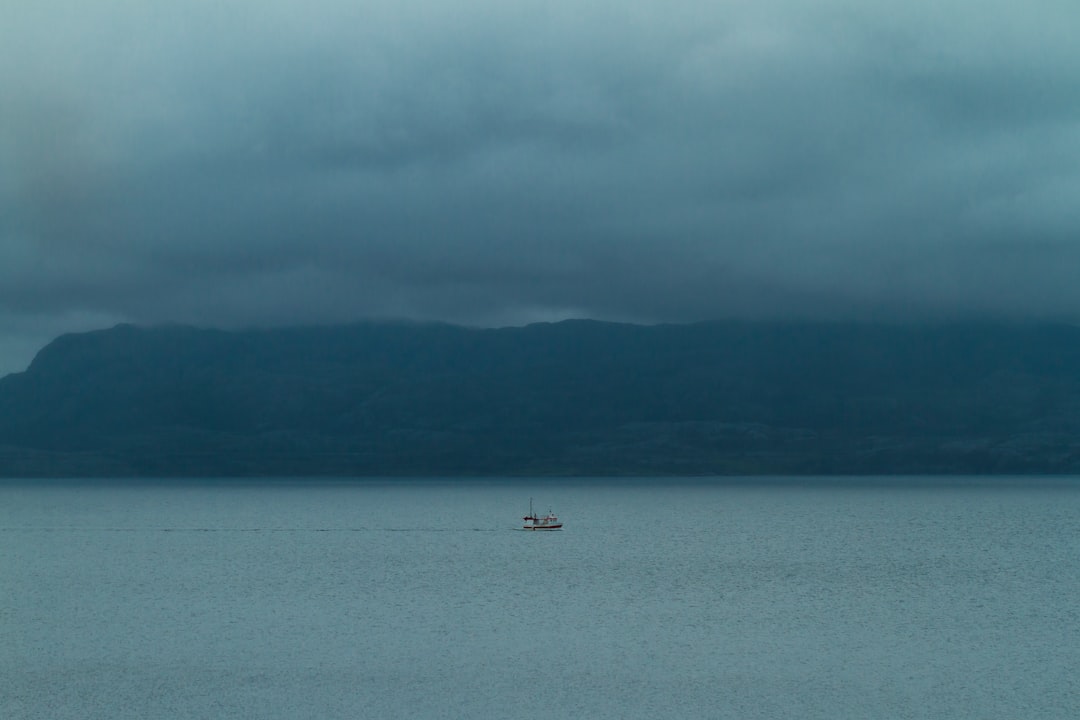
899	599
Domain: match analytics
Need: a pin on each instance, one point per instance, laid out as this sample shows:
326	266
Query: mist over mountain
262	163
570	398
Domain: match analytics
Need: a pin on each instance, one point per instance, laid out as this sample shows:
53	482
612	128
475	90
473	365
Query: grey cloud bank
243	163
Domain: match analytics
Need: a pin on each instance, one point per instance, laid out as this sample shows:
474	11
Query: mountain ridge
577	397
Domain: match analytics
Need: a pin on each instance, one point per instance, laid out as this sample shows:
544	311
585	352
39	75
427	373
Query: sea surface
726	598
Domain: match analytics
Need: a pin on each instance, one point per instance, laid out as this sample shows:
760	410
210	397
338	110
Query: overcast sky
251	162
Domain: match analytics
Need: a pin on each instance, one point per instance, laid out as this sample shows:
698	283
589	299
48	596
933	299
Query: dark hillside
576	397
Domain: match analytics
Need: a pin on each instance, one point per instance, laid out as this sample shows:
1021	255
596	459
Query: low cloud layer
241	163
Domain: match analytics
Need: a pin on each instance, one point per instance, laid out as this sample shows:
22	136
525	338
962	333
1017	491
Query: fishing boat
534	522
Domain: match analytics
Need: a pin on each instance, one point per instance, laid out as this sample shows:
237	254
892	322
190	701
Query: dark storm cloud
236	163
